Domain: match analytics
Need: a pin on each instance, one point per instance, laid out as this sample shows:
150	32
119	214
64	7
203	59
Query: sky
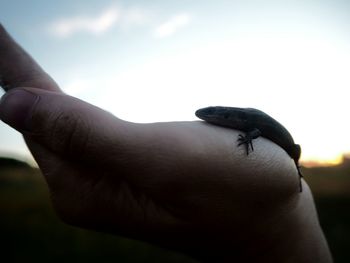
152	61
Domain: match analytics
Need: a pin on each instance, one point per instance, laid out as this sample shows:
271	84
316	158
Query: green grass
331	189
334	214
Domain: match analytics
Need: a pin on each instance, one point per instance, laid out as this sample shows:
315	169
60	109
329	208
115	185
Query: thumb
66	126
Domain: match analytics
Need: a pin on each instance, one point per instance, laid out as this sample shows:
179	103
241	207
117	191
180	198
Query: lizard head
234	117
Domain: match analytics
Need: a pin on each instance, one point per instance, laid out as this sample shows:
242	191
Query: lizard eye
226	115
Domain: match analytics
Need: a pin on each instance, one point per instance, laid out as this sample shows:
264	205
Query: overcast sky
149	61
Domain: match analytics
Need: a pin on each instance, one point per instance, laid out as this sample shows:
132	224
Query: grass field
331	189
31	232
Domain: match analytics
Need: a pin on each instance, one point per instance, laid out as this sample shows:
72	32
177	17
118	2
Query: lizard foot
247	140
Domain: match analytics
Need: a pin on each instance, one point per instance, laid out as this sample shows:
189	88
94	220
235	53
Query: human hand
180	185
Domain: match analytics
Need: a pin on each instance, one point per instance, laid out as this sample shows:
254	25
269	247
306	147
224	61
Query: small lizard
254	123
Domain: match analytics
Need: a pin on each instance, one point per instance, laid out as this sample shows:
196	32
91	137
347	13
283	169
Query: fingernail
16	108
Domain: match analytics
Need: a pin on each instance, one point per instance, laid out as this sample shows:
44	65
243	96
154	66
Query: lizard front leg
248	138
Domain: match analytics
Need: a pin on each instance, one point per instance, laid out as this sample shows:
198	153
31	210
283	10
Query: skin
179	185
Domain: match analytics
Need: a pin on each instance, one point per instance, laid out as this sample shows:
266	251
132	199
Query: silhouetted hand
181	185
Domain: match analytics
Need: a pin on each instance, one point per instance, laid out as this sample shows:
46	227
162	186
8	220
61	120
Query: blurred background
151	61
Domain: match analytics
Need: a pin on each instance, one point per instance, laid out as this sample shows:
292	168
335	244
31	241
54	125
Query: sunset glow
154	62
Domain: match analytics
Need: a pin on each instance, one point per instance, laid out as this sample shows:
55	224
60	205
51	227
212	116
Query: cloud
135	17
95	25
171	26
125	18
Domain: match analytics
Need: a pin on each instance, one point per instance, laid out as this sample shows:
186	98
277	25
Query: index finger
18	68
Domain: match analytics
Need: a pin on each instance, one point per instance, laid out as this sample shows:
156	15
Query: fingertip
16	107
2	28
18	68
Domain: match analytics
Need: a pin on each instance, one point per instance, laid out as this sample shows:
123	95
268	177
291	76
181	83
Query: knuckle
69	134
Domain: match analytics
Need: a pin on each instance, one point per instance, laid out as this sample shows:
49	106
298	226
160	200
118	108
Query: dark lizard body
254	123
